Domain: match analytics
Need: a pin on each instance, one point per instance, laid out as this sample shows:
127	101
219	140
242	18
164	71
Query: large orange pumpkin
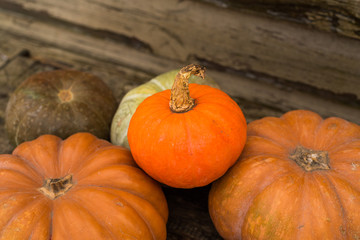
184	139
298	178
79	188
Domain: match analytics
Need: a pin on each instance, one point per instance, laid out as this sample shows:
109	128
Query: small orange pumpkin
79	188
193	141
297	178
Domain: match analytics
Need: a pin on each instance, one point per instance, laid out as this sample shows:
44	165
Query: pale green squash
134	97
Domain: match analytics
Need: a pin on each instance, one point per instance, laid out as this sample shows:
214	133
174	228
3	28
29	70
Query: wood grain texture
335	16
183	30
140	67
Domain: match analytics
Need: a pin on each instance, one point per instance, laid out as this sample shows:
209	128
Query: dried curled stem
180	100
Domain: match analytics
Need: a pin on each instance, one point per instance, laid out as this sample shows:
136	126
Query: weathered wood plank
143	65
193	224
121	75
340	17
284	99
78	42
183	30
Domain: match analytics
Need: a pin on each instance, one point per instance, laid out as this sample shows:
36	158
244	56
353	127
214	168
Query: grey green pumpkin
61	102
134	97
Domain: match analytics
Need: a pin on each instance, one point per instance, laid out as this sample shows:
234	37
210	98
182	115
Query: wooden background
270	56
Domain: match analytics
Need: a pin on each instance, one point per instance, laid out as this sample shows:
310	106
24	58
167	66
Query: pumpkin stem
180	100
56	187
309	159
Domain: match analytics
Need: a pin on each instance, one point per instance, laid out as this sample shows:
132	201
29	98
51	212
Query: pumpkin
134	97
78	188
60	102
188	136
297	178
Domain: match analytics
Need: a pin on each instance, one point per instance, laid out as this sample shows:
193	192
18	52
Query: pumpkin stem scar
65	95
56	187
310	160
180	100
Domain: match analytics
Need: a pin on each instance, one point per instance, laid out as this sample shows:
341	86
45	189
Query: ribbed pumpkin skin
132	99
267	195
36	107
189	149
111	197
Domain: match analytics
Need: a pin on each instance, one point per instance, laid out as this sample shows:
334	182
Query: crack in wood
98	33
7	59
238	40
328	15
